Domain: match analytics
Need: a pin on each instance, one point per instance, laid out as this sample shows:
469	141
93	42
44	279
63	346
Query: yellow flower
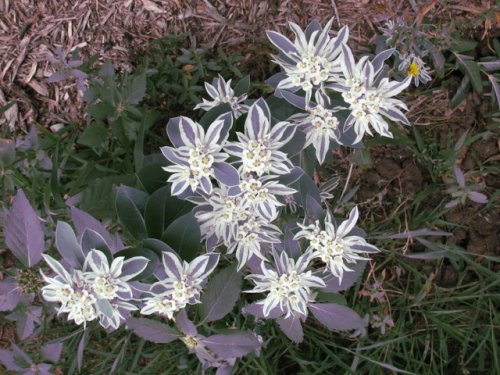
413	69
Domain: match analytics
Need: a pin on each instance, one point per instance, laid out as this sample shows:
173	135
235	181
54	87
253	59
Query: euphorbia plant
241	207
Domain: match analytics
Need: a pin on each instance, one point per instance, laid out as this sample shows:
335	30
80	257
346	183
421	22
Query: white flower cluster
179	285
99	291
336	247
288	285
240	216
316	63
221	92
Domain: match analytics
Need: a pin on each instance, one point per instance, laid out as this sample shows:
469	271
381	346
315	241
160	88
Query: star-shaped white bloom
180	284
369	96
288	284
259	148
221	92
197	155
337	247
312	59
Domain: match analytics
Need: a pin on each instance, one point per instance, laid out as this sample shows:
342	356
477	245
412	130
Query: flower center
323	120
413	69
257	157
311	71
105	287
190	341
286	286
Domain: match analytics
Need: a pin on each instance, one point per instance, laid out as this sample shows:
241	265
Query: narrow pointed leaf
68	245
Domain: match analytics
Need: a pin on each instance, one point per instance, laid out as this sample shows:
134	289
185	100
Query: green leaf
280	108
361	157
157	246
463	45
461	93
137	89
153	177
102	110
439	60
184	236
127	206
242	86
99	196
95	136
471	68
212	114
161	209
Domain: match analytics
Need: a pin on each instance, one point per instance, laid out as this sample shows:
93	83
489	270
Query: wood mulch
118	29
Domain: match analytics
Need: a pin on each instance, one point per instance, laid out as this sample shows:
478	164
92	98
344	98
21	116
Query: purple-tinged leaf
378	61
133	267
296	100
91	240
174	132
81	349
68	246
291	246
23	231
395	115
39	369
313	208
172	264
336	317
83	220
9	360
477	197
292	328
221	294
280	41
185	325
414	233
459	175
10	294
495	85
431	255
438	250
52	351
224	370
257	309
226	173
25	319
348	278
275	79
453	203
233	345
152	330
347	61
